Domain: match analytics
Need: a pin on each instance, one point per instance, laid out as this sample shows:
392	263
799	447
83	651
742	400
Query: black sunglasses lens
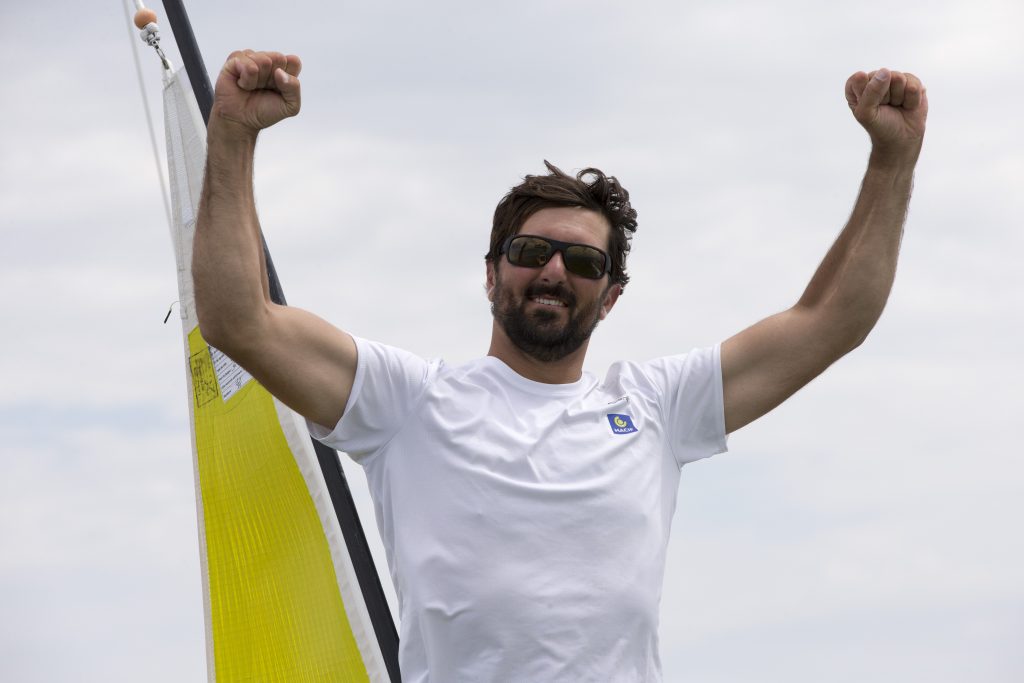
529	252
584	261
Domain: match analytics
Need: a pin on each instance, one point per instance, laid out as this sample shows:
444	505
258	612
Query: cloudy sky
869	529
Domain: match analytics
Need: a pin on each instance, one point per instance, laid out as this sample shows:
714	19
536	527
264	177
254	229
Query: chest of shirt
495	460
548	442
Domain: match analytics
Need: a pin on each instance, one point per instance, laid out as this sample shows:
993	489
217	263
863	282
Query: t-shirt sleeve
693	408
387	384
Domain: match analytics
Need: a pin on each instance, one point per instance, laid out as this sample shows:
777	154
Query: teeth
548	302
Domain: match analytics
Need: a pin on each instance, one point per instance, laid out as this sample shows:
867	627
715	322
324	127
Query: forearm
853	282
228	265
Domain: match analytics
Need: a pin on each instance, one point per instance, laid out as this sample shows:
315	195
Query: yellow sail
281	595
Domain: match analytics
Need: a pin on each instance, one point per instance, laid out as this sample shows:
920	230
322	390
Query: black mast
330	465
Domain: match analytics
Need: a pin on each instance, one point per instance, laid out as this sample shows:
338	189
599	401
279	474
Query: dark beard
539	334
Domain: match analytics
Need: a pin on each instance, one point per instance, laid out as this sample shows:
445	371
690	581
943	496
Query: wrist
894	158
225	130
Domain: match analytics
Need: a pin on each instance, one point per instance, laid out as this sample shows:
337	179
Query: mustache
559	292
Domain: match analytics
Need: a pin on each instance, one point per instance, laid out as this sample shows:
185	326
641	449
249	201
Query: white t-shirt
526	523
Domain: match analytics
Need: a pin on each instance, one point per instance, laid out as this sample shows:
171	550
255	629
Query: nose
554	269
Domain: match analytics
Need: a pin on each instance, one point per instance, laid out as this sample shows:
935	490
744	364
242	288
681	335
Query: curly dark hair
590	189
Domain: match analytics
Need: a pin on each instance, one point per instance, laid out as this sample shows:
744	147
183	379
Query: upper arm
303	360
768	362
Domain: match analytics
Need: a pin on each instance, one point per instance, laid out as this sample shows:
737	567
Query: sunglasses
531	251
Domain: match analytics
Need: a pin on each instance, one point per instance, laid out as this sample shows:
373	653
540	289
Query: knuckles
255	70
895	91
262	59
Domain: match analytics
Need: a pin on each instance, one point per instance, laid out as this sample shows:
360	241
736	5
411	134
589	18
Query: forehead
569	224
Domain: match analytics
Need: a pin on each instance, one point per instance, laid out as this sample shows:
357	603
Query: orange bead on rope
149	32
144	16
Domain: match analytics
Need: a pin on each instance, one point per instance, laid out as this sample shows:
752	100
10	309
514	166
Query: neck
563	371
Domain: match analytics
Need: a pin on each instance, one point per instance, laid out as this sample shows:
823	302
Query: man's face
548	312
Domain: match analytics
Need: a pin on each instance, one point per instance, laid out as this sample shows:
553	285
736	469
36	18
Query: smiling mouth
548	301
551	296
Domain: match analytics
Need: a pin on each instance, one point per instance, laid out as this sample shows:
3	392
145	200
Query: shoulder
686	391
376	358
668	374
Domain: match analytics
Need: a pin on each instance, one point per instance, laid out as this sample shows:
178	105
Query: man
525	505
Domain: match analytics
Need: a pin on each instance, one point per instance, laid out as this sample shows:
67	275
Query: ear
489	285
610	297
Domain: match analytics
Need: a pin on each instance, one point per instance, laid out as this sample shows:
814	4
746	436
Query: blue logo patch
621	424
